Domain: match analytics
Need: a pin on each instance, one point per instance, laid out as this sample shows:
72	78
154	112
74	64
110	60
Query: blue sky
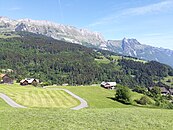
149	21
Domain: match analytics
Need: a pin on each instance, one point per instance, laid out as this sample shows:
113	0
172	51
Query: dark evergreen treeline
146	73
58	62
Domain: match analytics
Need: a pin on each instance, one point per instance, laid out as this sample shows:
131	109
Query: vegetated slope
119	119
58	62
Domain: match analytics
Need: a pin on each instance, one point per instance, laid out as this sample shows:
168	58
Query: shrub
140	90
123	94
165	104
44	84
35	84
144	100
156	92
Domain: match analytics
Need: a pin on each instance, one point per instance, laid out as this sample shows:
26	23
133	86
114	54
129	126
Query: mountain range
129	47
57	62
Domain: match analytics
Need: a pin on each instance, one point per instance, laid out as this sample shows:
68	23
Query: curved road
10	102
83	103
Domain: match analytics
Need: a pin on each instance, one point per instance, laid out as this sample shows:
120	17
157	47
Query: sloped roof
23	80
29	80
164	90
109	83
2	75
171	90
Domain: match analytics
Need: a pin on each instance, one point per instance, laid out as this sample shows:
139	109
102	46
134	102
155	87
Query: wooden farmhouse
6	79
29	81
108	85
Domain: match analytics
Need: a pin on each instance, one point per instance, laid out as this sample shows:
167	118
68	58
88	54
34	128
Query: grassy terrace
37	97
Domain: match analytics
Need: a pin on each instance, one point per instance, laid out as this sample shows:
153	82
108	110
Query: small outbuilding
108	85
6	79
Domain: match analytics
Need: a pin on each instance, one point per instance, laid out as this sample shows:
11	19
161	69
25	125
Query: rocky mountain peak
54	30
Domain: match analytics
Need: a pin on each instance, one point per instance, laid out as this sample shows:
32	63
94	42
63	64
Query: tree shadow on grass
114	99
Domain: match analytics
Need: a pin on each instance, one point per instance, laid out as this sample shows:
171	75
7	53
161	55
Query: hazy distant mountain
133	48
71	34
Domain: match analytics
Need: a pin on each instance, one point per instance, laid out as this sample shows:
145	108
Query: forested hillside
58	62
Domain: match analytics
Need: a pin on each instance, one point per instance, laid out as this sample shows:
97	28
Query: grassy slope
103	60
98	97
107	119
11	36
106	61
168	83
3	104
137	96
38	97
122	118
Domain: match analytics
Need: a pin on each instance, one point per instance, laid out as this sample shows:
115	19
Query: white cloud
148	9
152	8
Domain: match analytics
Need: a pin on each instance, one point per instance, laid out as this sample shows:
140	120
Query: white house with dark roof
108	85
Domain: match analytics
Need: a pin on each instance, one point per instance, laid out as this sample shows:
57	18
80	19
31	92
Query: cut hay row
37	97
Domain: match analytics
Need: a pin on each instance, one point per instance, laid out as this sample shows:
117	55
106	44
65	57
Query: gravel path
83	103
10	102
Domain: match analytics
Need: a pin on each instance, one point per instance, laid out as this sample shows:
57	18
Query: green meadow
95	119
103	112
37	97
98	97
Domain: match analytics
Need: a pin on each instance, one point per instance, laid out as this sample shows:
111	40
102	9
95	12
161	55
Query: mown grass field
3	104
94	119
37	97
